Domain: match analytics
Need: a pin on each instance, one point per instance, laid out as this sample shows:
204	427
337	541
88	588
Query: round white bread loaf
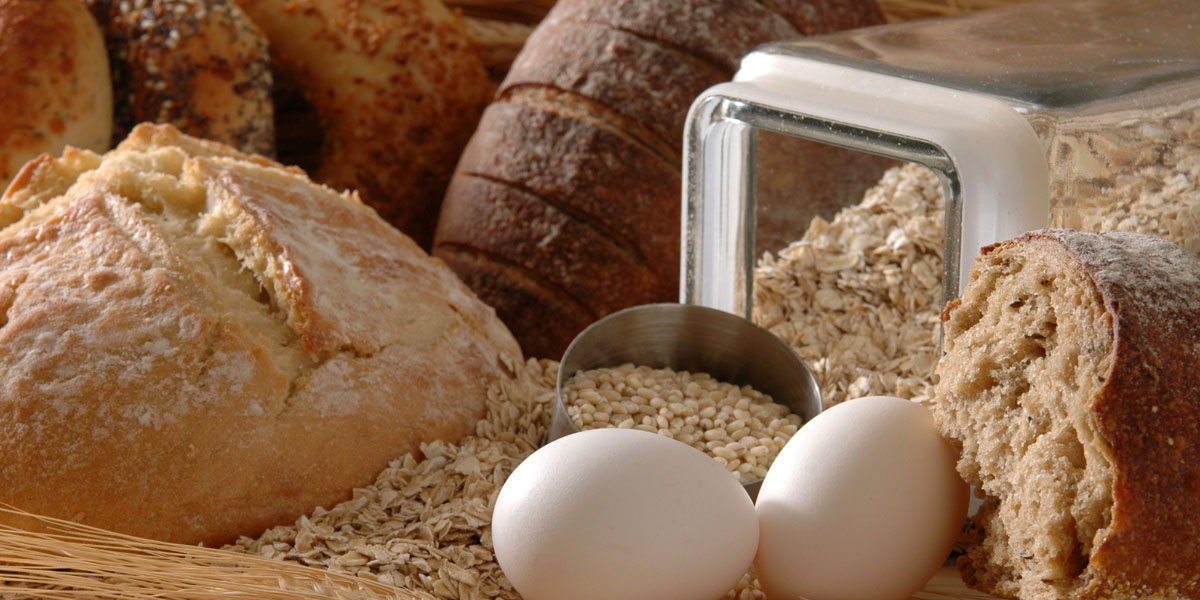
197	344
54	82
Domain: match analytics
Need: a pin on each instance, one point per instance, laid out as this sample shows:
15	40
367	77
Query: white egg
863	503
621	513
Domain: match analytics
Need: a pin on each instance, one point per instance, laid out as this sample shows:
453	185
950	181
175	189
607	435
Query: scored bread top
199	344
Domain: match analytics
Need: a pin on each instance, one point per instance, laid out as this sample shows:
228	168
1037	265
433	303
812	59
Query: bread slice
1071	383
197	344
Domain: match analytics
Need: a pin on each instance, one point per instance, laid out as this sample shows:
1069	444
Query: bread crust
200	65
544	315
548	242
210	344
641	80
1147	413
565	162
54	82
813	17
398	88
717	31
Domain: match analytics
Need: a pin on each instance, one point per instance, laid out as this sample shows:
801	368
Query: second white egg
863	503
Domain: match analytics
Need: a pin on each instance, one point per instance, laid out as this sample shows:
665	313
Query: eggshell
620	513
863	503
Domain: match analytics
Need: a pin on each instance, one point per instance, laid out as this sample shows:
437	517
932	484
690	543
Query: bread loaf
54	82
397	88
565	204
200	65
1070	383
197	344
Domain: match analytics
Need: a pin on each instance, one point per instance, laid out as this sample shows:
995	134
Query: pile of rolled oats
1130	172
740	427
425	524
859	298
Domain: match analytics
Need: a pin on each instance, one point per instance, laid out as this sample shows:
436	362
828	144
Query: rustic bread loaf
200	65
565	205
197	344
1070	383
55	87
398	88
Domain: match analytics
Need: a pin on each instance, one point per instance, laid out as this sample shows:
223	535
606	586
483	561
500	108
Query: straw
66	560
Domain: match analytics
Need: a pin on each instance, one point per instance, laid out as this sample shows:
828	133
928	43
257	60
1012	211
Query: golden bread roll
55	87
200	65
1070	384
197	344
398	88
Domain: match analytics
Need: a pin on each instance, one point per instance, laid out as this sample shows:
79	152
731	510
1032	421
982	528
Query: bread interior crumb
1028	347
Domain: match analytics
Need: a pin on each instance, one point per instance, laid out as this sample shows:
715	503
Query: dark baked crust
550	244
564	161
637	78
812	17
397	88
717	31
1149	412
544	316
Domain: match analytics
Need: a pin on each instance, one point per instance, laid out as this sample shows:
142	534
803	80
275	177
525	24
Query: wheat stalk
65	560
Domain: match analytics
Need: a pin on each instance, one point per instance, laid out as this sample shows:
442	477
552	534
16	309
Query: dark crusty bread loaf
197	344
1071	383
588	124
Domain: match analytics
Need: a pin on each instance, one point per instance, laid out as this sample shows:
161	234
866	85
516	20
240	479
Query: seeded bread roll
619	77
55	87
1070	383
200	65
397	87
197	344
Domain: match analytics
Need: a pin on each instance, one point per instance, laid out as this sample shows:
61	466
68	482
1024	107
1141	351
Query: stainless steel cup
686	337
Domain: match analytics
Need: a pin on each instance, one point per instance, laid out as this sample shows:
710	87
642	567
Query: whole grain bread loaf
565	204
1070	382
197	344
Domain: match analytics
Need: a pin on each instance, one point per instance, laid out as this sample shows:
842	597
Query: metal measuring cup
688	337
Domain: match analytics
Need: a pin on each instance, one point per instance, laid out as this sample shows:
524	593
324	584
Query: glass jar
1072	113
